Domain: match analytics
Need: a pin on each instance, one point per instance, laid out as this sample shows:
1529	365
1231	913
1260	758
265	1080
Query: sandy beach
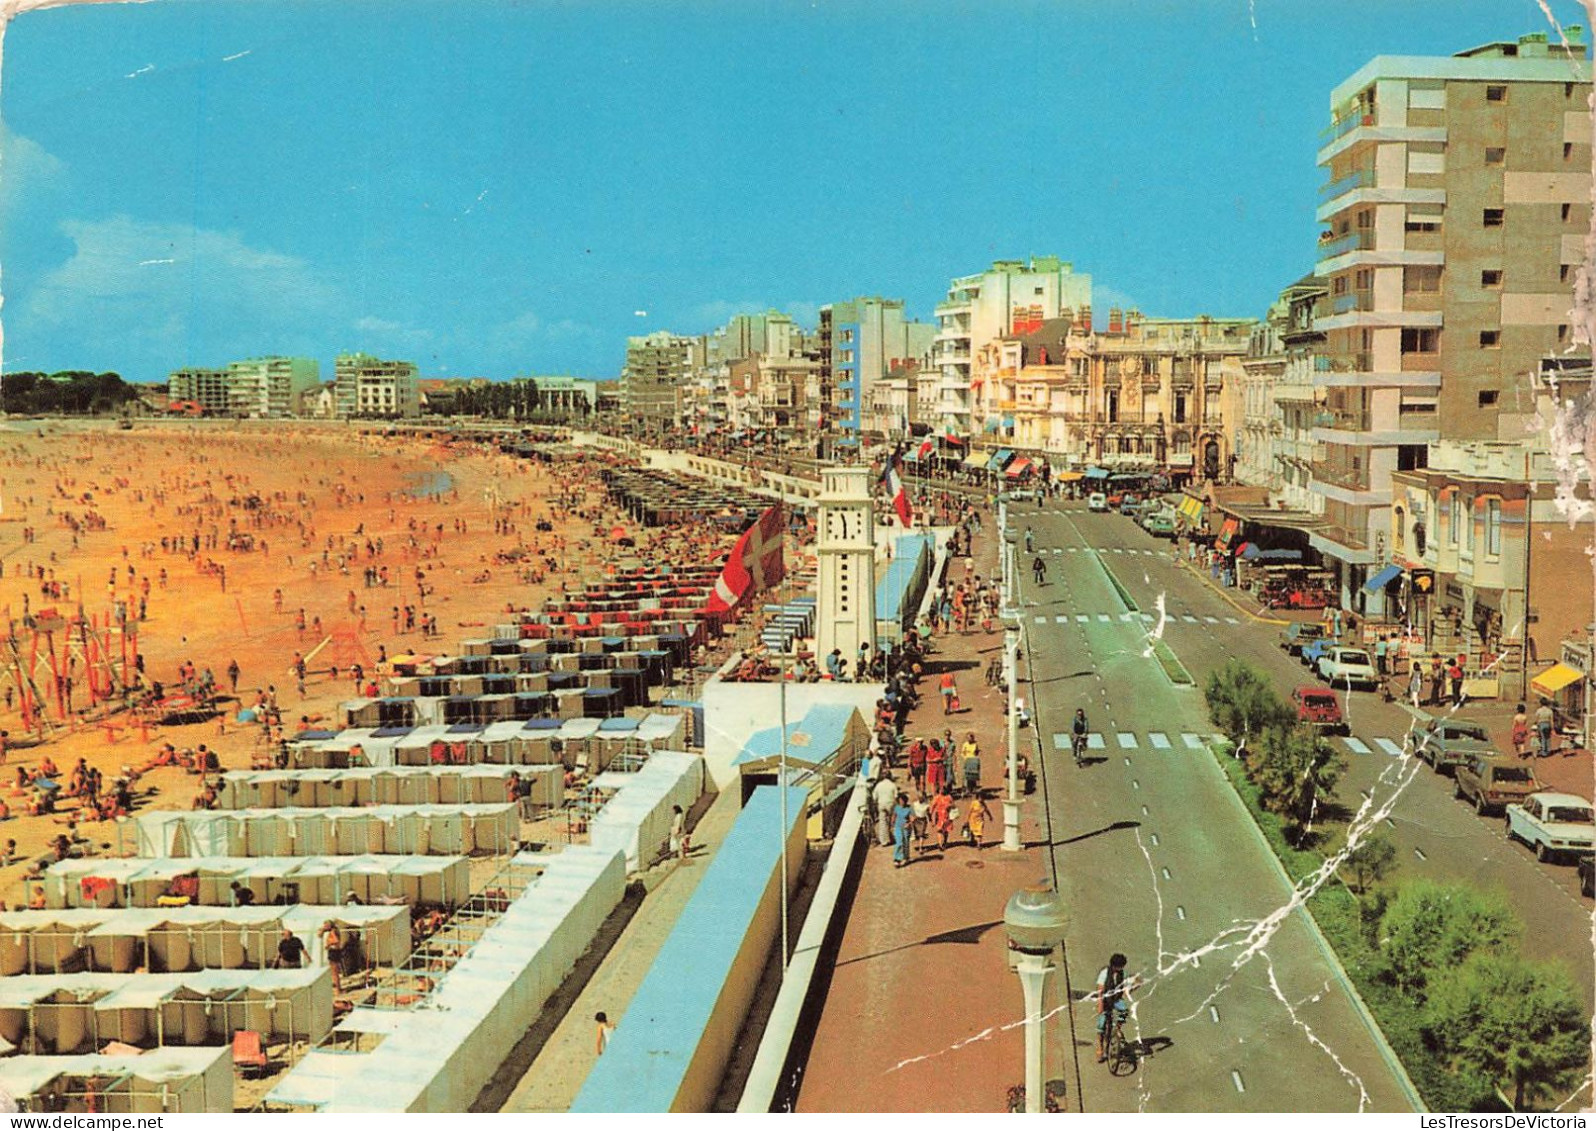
357	536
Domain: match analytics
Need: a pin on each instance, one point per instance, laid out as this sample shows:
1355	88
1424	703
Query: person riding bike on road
1112	997
1078	732
1039	569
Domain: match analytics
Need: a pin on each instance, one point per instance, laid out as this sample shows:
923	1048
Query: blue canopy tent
1385	577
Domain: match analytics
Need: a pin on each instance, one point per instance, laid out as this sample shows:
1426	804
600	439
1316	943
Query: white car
1097	501
1345	667
1553	824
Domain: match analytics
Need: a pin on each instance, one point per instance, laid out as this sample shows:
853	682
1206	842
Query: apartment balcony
1353	241
1351	539
1360	316
1352	300
1334	371
1354	130
1341	186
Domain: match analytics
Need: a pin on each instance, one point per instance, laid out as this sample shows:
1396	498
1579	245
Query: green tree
1242	702
1295	769
1431	927
1370	862
1500	1022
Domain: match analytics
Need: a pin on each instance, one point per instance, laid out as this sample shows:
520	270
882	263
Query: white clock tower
846	612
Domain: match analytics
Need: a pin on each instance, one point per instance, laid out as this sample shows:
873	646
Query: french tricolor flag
893	481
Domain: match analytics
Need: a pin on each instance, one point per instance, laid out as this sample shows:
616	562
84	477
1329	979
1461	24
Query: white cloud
27	171
218	297
370	325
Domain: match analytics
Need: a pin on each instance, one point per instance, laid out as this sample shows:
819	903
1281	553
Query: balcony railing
1356	179
1344	537
1345	125
1343	363
1352	241
1344	478
1352	300
1341	419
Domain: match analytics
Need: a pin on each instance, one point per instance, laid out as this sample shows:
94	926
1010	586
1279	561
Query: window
1421	280
1398	528
1493	218
1491	278
1495	155
1488	397
1496	94
1421	226
1111	405
1563	273
1420	339
1490	339
1467	515
1568	150
1568	210
1493	527
1455	519
1180	408
1562	332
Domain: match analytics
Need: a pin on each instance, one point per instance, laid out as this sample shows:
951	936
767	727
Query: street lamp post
1035	921
1011	664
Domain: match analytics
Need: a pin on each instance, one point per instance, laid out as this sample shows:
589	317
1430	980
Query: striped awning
1018	468
1191	508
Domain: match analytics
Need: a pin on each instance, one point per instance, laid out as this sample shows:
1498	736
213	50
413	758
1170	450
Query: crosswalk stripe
1231	620
1081	618
1127	616
1148	617
1354	744
1071	549
1211	620
1103	618
1189	619
1041	620
1192	741
1127	740
1150	553
1094	741
1061	619
1159	740
1061	741
1389	747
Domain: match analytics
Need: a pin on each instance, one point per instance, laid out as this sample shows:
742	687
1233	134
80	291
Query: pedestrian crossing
1132	551
1145	618
1192	740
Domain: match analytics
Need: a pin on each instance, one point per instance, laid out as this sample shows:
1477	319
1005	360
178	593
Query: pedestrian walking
970	759
1454	674
1545	717
950	692
884	796
942	817
1380	648
921	822
1520	732
902	816
975	819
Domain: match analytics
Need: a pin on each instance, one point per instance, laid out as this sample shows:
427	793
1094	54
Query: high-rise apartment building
861	340
204	387
654	384
1455	212
270	386
1010	297
368	386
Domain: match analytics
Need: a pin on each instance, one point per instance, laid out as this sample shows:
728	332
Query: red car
1319	707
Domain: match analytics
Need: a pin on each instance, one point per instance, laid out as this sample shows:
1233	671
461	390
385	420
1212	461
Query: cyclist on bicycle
1039	569
1113	1003
1078	731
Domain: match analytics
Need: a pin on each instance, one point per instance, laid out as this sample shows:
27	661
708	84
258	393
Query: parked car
1115	498
1587	876
1491	782
1299	634
1160	525
1553	824
1097	501
1313	649
1447	743
1129	504
1347	667
1319	708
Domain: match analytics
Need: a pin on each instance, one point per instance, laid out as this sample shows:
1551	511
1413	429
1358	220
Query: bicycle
1121	1059
1078	747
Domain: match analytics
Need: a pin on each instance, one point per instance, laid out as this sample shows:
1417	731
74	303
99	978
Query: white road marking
1144	810
1061	619
1159	740
1094	741
1081	618
1189	619
1235	1078
1154	838
1389	747
1211	620
1192	741
1214	1013
1061	741
1135	784
1231	620
1041	620
1147	617
1419	852
1354	744
1127	740
1104	618
1165	873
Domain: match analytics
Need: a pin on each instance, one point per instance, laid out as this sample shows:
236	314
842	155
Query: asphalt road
1242	1006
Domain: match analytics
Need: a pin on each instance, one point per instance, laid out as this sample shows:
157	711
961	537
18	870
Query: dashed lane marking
1192	741
1081	618
1062	618
1189	619
1159	740
1389	747
1231	620
1094	741
1211	620
1127	740
1041	620
1355	744
1104	618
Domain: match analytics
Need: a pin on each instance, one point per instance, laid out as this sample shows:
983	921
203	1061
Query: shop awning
1190	508
1555	678
1000	458
1068	476
1097	473
1385	577
1008	422
1247	551
977	460
1018	468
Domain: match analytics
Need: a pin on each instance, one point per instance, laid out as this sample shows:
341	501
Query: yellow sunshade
1068	476
1555	678
1191	508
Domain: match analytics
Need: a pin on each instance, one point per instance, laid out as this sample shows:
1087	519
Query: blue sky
497	188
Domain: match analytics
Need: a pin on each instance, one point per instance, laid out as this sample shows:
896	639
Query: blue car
1312	650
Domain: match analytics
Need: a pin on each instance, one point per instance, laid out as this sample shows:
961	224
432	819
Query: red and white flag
896	491
926	448
756	562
